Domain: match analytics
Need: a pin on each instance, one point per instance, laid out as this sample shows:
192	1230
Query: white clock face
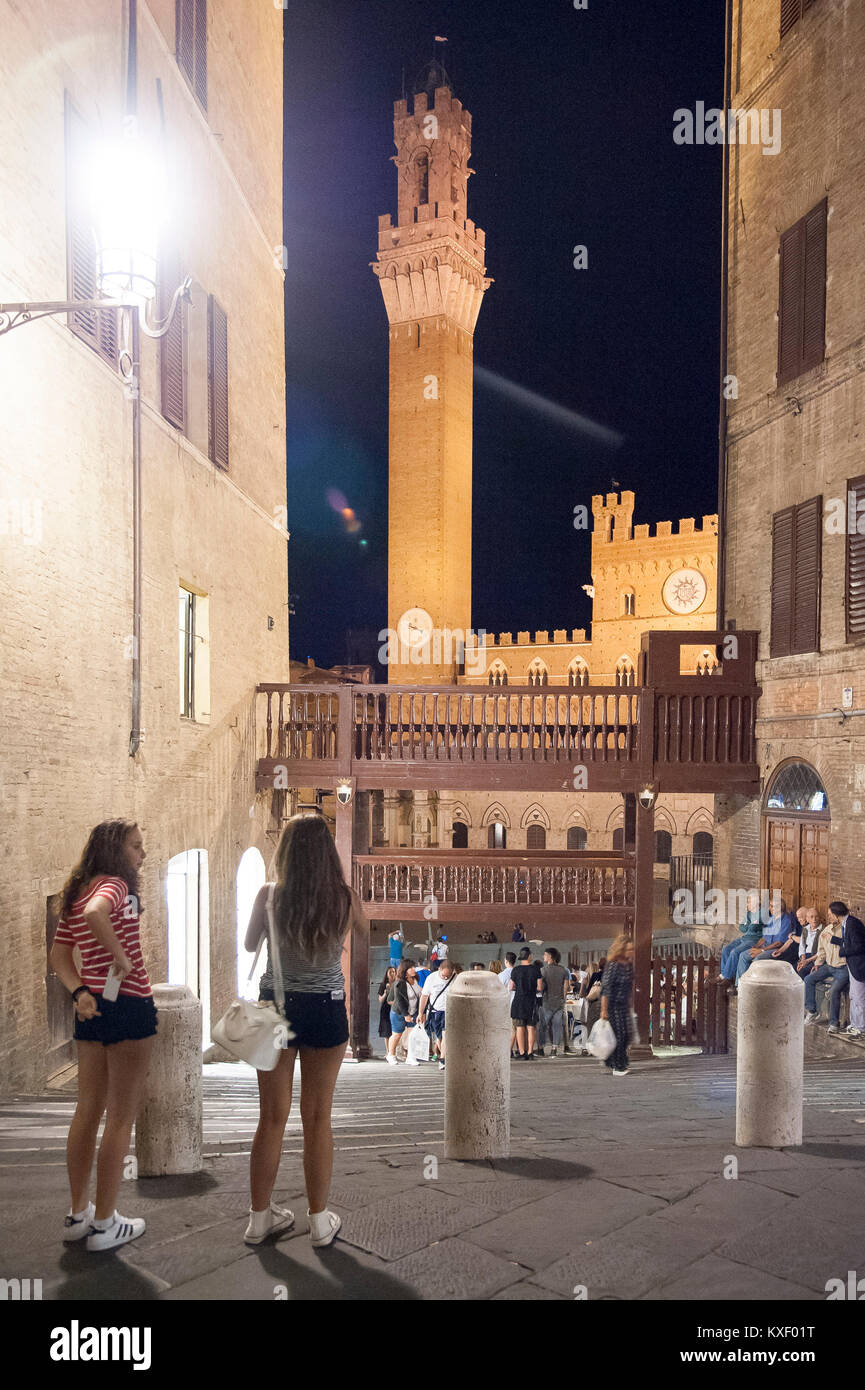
684	591
414	627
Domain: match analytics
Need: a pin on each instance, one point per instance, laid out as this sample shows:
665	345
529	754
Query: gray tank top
299	976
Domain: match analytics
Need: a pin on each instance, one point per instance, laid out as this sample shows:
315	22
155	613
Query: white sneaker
391	1060
833	1028
323	1226
412	1062
621	1073
119	1230
267	1223
852	1032
441	1066
77	1227
811	1018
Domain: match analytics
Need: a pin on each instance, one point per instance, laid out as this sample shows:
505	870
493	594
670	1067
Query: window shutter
200	82
782	586
806	575
791	11
98	328
184	36
855	585
814	288
217	382
790	304
172	357
536	837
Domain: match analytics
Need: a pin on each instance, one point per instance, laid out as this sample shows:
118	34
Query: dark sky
572	116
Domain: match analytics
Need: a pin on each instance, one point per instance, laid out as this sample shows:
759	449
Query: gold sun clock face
414	627
684	591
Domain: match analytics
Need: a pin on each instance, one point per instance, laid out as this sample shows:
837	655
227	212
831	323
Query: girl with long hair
114	1037
313	910
617	989
404	999
384	1028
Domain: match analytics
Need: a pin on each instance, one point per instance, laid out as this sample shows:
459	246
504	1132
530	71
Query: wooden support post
643	927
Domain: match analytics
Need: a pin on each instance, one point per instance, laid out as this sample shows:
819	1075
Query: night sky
572	115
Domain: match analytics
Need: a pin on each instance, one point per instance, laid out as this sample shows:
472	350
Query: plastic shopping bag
418	1045
602	1040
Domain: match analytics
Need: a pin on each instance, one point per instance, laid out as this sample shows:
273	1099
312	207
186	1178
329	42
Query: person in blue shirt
395	942
422	973
750	932
773	943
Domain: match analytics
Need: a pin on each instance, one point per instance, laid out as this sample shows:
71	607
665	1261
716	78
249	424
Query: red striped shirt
95	960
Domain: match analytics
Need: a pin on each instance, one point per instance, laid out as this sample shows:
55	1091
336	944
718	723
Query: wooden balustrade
685	1009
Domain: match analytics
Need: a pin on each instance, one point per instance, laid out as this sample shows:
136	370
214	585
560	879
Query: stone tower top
613	518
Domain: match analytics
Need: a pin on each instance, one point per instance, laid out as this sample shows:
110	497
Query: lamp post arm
14	315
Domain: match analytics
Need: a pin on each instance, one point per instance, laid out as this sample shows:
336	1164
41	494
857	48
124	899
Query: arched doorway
460	835
188	898
796	823
250	878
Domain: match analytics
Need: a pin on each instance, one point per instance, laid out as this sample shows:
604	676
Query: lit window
194	655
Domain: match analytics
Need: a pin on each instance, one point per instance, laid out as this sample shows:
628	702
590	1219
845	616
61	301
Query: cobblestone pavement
619	1186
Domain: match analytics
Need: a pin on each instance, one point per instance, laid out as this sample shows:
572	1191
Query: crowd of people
540	989
831	953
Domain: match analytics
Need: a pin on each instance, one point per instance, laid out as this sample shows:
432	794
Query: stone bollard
169	1121
477	1068
770	1044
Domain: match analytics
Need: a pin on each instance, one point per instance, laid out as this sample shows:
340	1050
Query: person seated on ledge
750	933
773	945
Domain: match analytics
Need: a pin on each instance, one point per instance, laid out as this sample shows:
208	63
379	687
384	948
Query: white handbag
256	1031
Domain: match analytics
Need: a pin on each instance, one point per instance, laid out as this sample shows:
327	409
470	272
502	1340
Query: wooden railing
685	1009
453	879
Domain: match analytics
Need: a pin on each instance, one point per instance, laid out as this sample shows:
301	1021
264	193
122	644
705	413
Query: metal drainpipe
135	735
722	404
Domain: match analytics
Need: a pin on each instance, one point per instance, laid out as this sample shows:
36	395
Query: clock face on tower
684	591
414	627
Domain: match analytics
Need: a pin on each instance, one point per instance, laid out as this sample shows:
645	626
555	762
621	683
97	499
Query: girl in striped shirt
114	1036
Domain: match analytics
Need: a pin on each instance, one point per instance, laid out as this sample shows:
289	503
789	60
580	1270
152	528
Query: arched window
497	835
538	673
578	672
797	788
625	673
707	663
703	846
423	178
498	674
576	837
619	838
628	602
536	837
460	835
663	846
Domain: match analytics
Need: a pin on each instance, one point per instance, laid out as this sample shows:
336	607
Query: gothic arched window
497	835
625	673
536	837
498	674
423	178
576	837
538	674
663	846
703	846
460	835
578	672
628	602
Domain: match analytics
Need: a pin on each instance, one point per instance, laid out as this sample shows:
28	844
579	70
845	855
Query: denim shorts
399	1022
436	1023
317	1020
125	1019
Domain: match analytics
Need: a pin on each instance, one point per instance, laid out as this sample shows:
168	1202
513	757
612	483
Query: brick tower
431	270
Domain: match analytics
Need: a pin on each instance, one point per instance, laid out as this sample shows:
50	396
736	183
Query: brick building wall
65	451
792	442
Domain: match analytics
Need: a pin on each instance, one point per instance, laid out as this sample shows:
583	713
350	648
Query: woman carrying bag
312	910
384	1028
617	990
404	999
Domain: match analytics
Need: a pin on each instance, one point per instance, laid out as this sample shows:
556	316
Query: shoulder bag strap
275	960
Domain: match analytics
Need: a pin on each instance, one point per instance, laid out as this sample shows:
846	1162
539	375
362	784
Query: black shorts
317	1020
126	1019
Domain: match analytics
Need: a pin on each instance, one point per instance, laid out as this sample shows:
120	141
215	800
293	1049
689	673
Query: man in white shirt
505	977
434	998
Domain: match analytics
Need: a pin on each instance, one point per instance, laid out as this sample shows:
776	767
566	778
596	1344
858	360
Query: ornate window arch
498	673
797	787
626	673
538	673
535	815
496	812
578	672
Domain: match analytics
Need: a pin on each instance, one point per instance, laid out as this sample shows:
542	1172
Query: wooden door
782	860
814	866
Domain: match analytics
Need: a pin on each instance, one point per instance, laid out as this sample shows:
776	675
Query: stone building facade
214	539
795	463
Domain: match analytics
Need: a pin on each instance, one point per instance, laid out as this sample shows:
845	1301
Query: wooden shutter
855	576
814	287
536	837
782	583
98	328
200	82
791	11
790	297
217	382
806	575
172	355
184	36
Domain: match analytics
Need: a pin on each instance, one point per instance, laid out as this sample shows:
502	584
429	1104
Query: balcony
682	731
576	887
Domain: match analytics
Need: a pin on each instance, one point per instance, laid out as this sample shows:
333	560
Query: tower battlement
613	515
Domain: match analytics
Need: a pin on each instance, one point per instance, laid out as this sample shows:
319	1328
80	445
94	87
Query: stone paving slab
504	1195
397	1226
524	1292
817	1248
540	1232
456	1270
702	1279
727	1204
629	1262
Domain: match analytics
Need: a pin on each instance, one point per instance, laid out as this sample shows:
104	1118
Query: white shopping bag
418	1045
602	1040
